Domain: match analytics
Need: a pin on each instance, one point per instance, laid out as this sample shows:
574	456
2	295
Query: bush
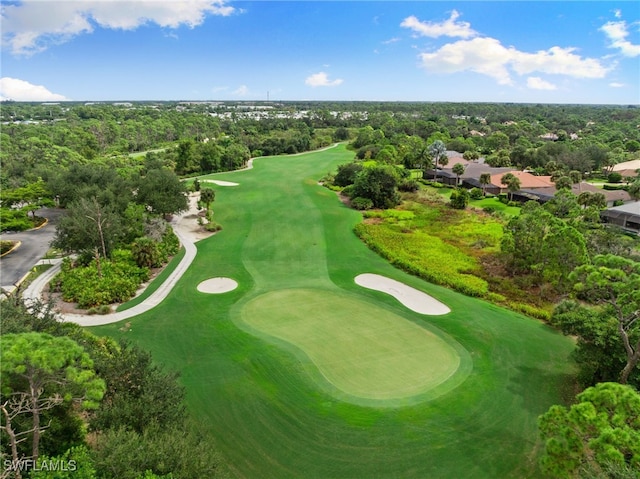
459	198
489	209
212	226
409	186
360	203
6	246
348	191
14	220
476	194
115	281
347	173
614	177
146	253
434	184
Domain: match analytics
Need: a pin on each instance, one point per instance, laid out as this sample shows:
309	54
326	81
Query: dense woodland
116	170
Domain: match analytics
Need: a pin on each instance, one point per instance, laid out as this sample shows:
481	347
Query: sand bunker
410	297
217	285
220	182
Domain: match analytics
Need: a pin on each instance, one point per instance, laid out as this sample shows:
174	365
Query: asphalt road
35	244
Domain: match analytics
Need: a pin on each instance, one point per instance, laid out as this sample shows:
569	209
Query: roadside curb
13	248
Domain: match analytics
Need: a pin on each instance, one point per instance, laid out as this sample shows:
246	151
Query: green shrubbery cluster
425	256
15	220
361	203
101	282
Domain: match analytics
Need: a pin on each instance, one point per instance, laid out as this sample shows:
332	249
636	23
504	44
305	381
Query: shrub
14	220
146	253
348	191
614	177
113	281
489	209
6	246
475	194
409	186
361	203
212	226
435	184
459	198
346	174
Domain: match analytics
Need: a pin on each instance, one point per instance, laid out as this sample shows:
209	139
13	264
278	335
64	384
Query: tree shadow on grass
540	388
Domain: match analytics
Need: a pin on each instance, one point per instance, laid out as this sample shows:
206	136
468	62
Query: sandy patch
412	298
217	285
220	182
187	221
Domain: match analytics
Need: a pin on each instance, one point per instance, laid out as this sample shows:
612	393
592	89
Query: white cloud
489	57
32	25
322	79
242	90
447	28
391	40
617	34
537	83
614	84
481	55
20	90
557	61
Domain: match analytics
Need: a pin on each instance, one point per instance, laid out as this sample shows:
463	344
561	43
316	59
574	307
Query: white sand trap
217	285
410	297
220	182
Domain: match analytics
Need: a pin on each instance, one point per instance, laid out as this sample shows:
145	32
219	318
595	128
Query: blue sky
496	51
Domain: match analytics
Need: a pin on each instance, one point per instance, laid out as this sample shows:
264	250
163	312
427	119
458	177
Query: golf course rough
363	350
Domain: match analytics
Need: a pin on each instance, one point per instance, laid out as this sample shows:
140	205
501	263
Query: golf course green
300	372
363	350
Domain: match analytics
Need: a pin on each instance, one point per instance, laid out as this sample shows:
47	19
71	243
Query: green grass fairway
362	349
282	405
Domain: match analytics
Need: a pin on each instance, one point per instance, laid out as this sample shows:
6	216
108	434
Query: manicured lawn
496	205
275	402
363	352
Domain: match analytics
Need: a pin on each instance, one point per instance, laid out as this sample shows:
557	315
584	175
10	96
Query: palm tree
437	150
563	183
634	190
458	169
576	179
485	179
512	183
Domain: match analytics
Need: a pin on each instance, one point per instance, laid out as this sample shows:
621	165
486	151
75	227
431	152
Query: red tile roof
527	180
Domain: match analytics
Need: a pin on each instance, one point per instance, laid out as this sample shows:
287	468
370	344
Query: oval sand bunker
220	182
412	298
217	285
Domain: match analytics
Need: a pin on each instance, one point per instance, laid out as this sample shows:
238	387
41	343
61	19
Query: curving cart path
34	291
